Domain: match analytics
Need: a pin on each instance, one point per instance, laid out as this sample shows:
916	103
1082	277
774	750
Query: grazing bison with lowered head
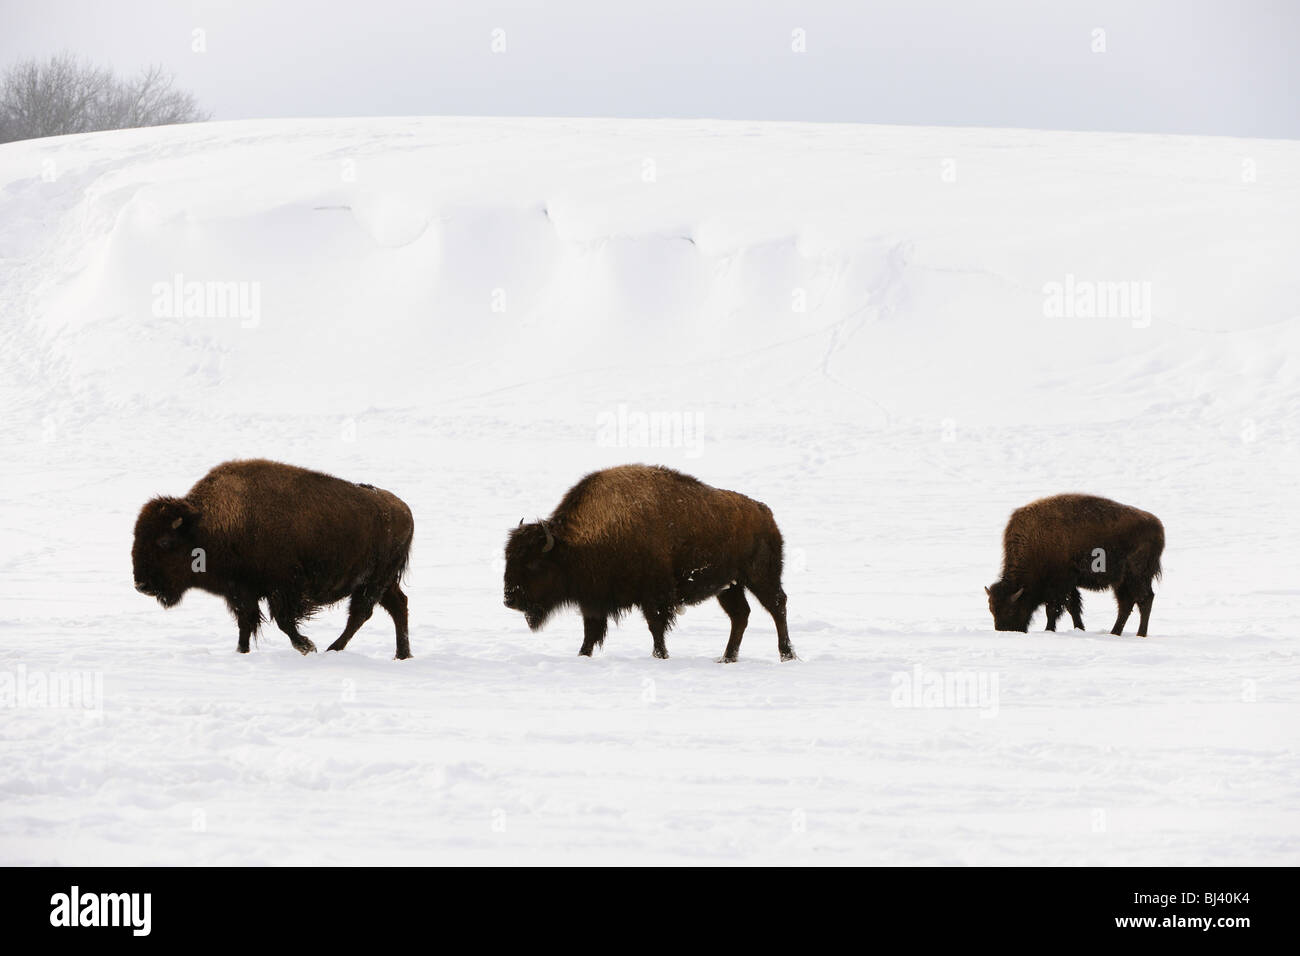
1054	546
253	531
652	538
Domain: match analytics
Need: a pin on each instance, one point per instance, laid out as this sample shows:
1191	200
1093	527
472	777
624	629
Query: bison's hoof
727	660
336	646
403	657
788	656
305	647
661	655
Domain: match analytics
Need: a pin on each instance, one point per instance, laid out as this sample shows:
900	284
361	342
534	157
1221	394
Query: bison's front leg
658	620
284	613
594	626
1053	614
301	644
247	616
1074	604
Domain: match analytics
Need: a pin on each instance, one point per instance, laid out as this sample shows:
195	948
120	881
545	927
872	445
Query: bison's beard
169	600
538	614
168	595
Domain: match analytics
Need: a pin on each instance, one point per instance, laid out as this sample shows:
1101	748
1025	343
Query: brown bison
1054	546
652	538
258	530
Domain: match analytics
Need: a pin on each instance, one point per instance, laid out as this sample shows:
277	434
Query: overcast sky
1175	66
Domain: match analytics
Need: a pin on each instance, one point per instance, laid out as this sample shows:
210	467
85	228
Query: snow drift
892	336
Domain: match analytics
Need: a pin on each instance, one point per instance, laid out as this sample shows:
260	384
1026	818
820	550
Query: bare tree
66	95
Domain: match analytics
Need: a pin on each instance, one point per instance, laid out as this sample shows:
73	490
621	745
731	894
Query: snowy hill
892	336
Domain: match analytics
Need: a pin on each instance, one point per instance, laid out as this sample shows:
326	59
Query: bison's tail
403	560
1157	570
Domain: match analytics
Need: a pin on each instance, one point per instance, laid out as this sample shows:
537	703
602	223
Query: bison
1054	546
652	538
259	530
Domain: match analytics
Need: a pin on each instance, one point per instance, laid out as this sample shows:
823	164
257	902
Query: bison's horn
177	523
521	522
1016	597
550	538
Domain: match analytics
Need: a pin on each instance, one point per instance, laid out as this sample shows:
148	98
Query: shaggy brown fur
1056	545
652	538
297	539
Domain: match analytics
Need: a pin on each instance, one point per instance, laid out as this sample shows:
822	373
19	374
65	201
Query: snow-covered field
864	327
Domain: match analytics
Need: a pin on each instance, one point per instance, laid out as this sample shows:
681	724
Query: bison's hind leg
1125	599
1140	570
360	607
1145	569
286	613
1144	599
764	579
774	604
737	608
772	597
394	602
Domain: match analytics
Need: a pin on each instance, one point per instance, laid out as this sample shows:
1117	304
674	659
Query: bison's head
1011	610
160	556
534	581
